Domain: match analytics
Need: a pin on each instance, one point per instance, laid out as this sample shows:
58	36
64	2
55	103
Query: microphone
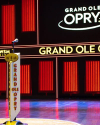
15	41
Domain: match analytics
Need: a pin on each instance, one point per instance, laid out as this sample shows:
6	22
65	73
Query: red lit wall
45	75
92	76
3	76
70	77
28	15
25	79
8	24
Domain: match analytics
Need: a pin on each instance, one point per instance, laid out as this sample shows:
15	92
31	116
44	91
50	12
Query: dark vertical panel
76	77
67	77
22	79
24	83
6	35
70	76
31	15
23	15
25	79
93	71
45	86
28	15
2	76
13	23
73	76
8	24
29	90
64	73
45	75
93	74
52	74
98	76
27	25
87	74
49	81
40	80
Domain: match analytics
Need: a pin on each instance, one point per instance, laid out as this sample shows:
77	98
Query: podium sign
14	88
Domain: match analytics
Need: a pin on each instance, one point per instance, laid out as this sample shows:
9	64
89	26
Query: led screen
69	21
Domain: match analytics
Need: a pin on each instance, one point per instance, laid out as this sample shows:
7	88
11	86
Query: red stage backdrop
25	79
92	76
8	24
3	76
45	75
28	15
70	77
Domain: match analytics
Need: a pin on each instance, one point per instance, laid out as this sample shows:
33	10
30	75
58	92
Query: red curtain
92	76
28	15
8	24
70	77
45	75
25	79
3	76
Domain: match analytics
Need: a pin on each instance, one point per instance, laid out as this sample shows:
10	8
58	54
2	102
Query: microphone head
15	41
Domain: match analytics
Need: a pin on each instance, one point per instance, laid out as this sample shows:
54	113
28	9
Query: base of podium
14	123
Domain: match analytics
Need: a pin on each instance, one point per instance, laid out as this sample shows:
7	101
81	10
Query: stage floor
83	112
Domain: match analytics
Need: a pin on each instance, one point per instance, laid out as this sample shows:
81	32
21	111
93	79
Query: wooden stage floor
83	112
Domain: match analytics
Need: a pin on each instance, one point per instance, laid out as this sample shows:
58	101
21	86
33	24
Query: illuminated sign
69	49
69	21
4	52
60	49
77	17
